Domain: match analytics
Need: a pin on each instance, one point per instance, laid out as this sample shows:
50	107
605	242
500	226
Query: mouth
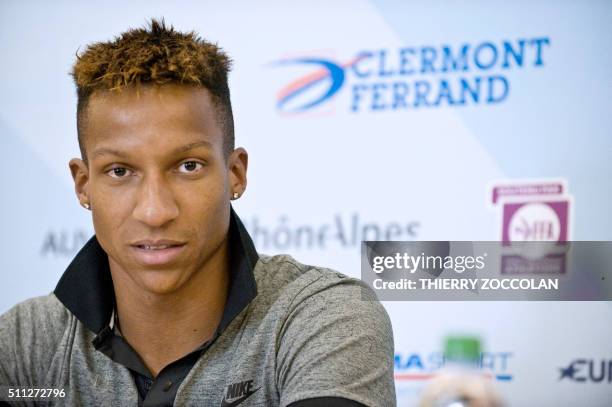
155	247
157	253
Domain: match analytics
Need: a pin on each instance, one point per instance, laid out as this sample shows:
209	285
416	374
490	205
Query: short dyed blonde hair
156	55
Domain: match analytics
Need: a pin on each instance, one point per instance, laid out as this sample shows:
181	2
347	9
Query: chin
161	282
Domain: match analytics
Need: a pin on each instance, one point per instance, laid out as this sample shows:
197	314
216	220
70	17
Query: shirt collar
86	288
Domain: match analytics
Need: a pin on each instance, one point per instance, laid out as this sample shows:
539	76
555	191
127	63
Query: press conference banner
364	121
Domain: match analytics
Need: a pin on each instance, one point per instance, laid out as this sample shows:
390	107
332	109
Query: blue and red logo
327	74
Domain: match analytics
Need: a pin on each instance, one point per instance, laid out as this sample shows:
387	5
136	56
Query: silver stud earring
86	205
236	195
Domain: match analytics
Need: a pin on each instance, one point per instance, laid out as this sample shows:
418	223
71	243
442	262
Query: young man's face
158	182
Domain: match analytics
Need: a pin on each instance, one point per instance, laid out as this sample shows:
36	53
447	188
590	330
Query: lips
154	247
156	252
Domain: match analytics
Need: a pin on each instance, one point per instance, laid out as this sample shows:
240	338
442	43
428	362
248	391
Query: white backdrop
430	107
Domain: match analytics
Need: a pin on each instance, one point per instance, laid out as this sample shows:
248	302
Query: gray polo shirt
305	332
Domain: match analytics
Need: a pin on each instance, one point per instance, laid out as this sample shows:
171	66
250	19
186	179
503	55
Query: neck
163	328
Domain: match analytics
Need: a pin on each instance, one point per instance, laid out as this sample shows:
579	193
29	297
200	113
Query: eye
118	172
190	167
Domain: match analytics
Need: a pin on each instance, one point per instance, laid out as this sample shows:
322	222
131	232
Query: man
169	303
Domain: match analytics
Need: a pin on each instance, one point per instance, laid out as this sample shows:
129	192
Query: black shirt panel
162	390
326	402
242	260
119	350
86	287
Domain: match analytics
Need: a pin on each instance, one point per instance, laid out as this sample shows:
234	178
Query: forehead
152	116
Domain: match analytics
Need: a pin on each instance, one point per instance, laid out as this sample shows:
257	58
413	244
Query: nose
156	205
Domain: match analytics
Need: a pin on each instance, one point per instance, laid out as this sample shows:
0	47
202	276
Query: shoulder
45	313
30	333
283	276
335	339
286	274
317	295
317	302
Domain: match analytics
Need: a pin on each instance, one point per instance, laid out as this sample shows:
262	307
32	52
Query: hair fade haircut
155	55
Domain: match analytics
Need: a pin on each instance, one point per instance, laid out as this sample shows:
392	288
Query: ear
238	162
80	175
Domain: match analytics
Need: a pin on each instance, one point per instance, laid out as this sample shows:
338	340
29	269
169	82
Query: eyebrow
178	150
192	146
